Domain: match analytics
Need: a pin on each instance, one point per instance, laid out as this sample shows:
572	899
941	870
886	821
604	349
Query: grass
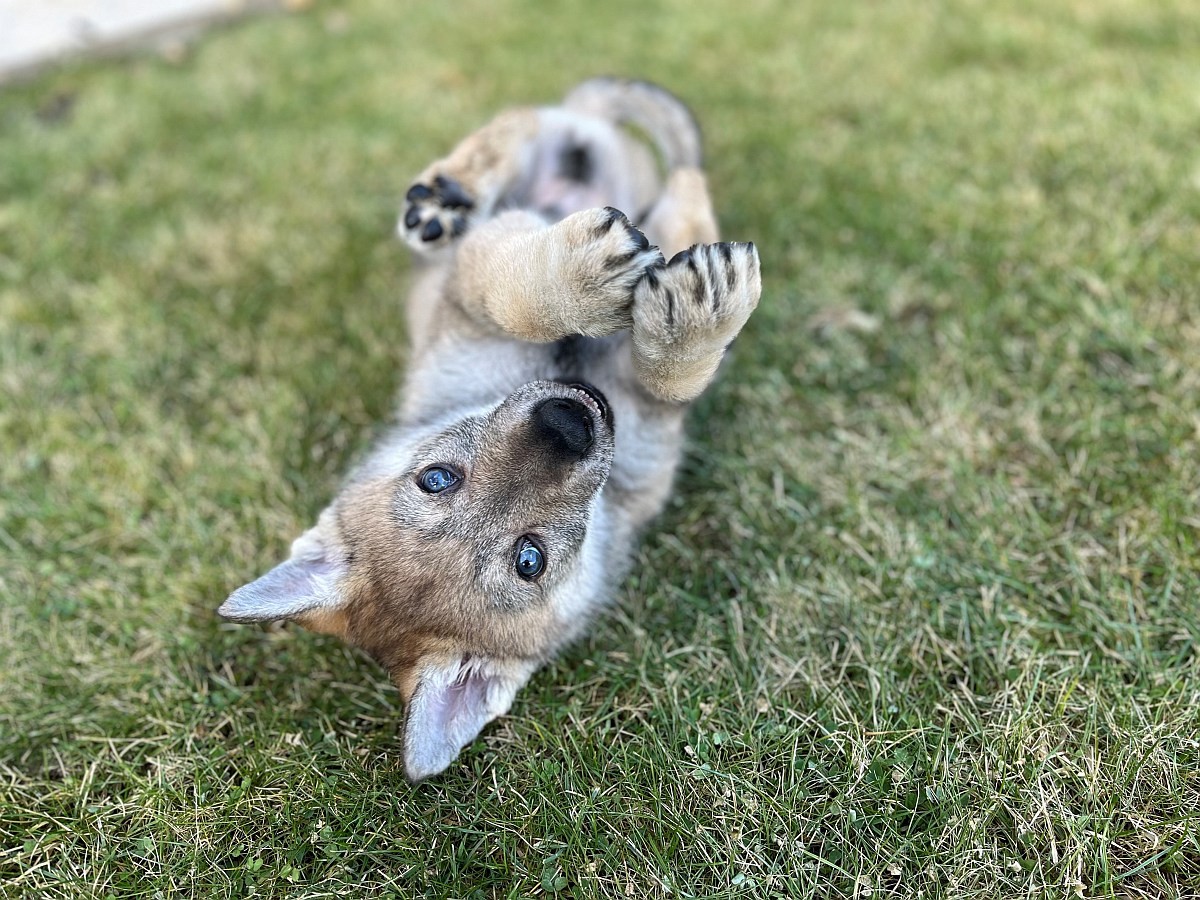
922	620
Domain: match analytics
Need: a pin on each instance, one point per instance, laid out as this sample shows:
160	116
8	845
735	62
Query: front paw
686	314
438	211
603	257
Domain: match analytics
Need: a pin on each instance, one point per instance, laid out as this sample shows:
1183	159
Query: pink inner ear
458	709
289	589
444	716
299	578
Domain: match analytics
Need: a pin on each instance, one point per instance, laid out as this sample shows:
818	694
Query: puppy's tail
654	110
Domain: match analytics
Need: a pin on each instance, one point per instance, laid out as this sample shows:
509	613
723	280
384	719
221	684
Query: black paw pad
451	194
437	211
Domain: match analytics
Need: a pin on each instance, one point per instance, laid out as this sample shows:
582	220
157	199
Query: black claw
611	216
691	264
651	279
432	230
639	240
708	276
683	256
418	192
451	193
458	226
730	271
412	218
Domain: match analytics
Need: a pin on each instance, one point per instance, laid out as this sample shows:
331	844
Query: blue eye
530	561
435	479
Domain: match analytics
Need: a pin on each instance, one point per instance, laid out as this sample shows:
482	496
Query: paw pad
436	212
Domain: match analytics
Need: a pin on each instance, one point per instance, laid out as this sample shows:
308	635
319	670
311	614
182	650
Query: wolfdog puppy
554	353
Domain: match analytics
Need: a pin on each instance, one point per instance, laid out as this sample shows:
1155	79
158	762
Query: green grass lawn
922	619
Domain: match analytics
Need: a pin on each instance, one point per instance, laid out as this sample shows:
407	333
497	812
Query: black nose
564	427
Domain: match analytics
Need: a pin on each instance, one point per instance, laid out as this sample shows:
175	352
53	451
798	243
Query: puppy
554	354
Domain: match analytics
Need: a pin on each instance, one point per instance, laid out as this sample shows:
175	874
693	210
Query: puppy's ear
308	582
453	700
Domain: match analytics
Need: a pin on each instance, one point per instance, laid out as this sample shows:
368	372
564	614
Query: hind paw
437	212
685	315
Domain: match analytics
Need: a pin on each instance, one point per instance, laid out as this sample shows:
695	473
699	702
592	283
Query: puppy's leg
540	283
453	192
686	315
683	214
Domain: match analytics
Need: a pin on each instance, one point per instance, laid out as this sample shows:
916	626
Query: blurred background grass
922	618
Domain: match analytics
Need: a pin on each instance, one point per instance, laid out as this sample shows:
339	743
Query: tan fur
683	216
540	283
513	305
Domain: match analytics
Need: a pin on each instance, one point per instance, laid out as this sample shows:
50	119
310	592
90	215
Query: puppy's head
461	557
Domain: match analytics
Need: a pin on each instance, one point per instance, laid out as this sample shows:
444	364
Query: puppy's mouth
593	398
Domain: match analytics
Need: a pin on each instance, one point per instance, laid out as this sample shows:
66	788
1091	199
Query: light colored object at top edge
35	32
